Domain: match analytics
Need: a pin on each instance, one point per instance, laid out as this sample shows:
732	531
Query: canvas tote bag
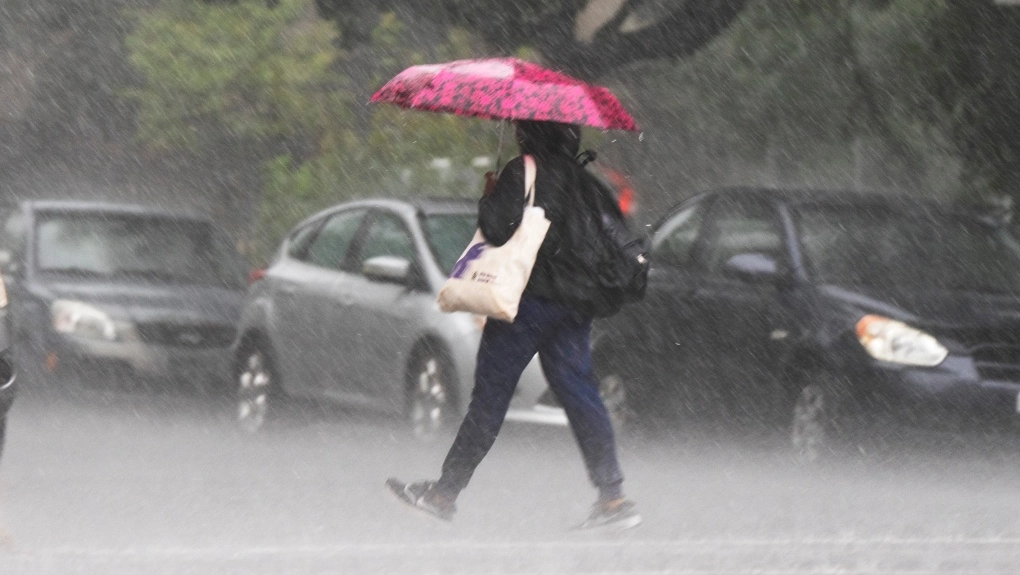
488	279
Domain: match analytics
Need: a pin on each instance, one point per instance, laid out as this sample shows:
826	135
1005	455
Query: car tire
31	361
430	399
809	430
617	393
257	387
613	391
818	410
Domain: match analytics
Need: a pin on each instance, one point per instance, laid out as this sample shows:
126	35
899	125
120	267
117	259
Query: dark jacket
557	189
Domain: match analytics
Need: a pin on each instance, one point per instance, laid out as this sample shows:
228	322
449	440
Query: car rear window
897	249
448	235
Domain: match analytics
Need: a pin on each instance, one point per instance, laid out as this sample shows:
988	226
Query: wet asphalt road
119	482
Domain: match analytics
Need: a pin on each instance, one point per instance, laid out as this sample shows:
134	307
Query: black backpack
608	263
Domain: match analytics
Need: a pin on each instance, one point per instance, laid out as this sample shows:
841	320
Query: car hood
931	308
145	303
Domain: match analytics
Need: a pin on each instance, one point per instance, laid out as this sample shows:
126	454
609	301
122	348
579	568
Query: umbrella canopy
505	89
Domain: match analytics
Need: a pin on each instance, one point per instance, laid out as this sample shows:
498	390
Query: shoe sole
621	525
396	488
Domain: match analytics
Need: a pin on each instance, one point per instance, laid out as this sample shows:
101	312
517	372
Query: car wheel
31	362
619	397
825	419
429	399
809	434
256	384
613	389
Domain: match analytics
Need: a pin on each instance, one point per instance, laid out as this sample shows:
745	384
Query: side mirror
387	269
752	268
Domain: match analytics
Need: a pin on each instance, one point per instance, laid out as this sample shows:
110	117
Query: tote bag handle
489	280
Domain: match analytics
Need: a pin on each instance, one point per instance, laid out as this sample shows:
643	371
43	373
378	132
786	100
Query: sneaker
622	515
421	496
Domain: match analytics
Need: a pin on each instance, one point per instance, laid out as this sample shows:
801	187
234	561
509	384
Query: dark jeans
561	337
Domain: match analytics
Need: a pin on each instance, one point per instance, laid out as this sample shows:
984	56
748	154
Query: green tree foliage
398	153
232	71
817	81
626	31
222	74
921	84
778	74
976	44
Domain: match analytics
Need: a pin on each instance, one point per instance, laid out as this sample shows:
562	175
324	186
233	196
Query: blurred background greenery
256	111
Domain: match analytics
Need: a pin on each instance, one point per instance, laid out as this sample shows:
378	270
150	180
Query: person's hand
490	183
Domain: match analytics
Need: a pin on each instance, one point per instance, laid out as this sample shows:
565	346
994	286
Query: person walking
549	322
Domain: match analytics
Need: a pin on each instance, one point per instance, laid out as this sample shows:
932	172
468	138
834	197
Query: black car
822	309
7	379
119	293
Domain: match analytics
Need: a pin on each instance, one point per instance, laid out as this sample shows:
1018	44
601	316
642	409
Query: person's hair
544	139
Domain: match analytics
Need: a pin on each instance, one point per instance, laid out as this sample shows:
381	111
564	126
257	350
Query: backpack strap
530	170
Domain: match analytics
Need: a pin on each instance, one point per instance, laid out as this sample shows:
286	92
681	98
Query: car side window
675	239
329	247
301	240
387	236
739	228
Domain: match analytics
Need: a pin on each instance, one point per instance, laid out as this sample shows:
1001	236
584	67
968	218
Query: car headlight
3	293
82	319
896	342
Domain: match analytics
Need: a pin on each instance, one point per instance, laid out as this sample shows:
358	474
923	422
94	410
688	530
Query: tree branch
552	26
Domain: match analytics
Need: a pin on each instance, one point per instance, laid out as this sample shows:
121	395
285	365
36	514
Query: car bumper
137	359
949	392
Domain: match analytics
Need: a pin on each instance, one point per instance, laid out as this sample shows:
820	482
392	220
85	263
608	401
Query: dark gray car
347	312
109	291
842	315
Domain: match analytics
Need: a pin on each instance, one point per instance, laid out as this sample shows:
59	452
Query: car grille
995	350
998	362
187	335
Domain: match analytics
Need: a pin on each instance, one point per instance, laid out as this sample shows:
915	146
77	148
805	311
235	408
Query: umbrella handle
499	146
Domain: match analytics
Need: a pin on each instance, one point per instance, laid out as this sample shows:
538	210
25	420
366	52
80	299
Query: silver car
347	312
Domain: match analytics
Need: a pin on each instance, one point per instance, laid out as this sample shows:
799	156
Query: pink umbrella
505	89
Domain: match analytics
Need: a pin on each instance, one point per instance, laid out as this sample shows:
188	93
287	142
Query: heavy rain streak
509	286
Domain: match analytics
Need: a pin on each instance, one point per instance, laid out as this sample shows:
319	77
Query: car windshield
136	248
892	249
448	235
